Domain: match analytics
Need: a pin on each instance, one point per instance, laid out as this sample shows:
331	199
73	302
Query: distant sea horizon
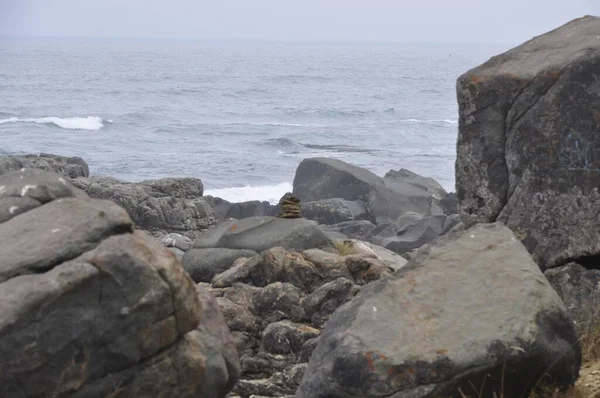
238	114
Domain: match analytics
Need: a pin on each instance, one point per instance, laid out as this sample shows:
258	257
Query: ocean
238	115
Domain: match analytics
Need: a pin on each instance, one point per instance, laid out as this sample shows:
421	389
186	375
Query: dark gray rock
427	184
71	167
218	348
449	203
61	230
263	233
386	198
579	289
472	309
225	210
324	178
204	264
334	211
89	308
358	229
157	206
527	151
321	303
409	231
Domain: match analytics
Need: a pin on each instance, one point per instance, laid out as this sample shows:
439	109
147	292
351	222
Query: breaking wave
269	193
69	123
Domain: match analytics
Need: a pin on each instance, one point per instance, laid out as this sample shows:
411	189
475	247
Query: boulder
216	344
204	264
358	229
410	178
409	231
90	308
334	211
71	167
579	289
279	301
385	198
527	151
472	314
254	208
157	206
324	178
263	233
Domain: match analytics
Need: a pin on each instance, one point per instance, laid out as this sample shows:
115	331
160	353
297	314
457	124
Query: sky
491	21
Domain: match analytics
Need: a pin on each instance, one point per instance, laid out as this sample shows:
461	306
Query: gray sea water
238	115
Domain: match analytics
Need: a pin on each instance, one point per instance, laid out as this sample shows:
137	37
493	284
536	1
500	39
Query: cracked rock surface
528	145
91	308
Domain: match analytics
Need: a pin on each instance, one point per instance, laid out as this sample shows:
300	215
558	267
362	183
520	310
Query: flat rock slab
472	307
262	233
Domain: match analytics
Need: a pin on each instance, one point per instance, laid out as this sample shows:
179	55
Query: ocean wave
69	123
269	193
289	146
424	121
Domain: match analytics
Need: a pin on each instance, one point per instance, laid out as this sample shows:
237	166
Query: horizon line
259	40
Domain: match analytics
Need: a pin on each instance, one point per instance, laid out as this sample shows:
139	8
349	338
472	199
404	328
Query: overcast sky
505	21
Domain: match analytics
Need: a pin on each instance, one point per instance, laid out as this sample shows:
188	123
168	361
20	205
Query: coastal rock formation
262	233
156	206
528	143
91	308
71	167
277	302
470	315
385	198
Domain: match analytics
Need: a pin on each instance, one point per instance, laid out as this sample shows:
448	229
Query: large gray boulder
91	308
204	264
262	233
528	143
71	167
386	198
156	206
324	178
472	311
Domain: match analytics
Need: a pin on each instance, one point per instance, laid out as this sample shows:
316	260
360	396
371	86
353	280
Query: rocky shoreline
384	286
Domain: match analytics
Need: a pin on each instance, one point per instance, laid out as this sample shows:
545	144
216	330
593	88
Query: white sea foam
448	121
270	193
69	123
